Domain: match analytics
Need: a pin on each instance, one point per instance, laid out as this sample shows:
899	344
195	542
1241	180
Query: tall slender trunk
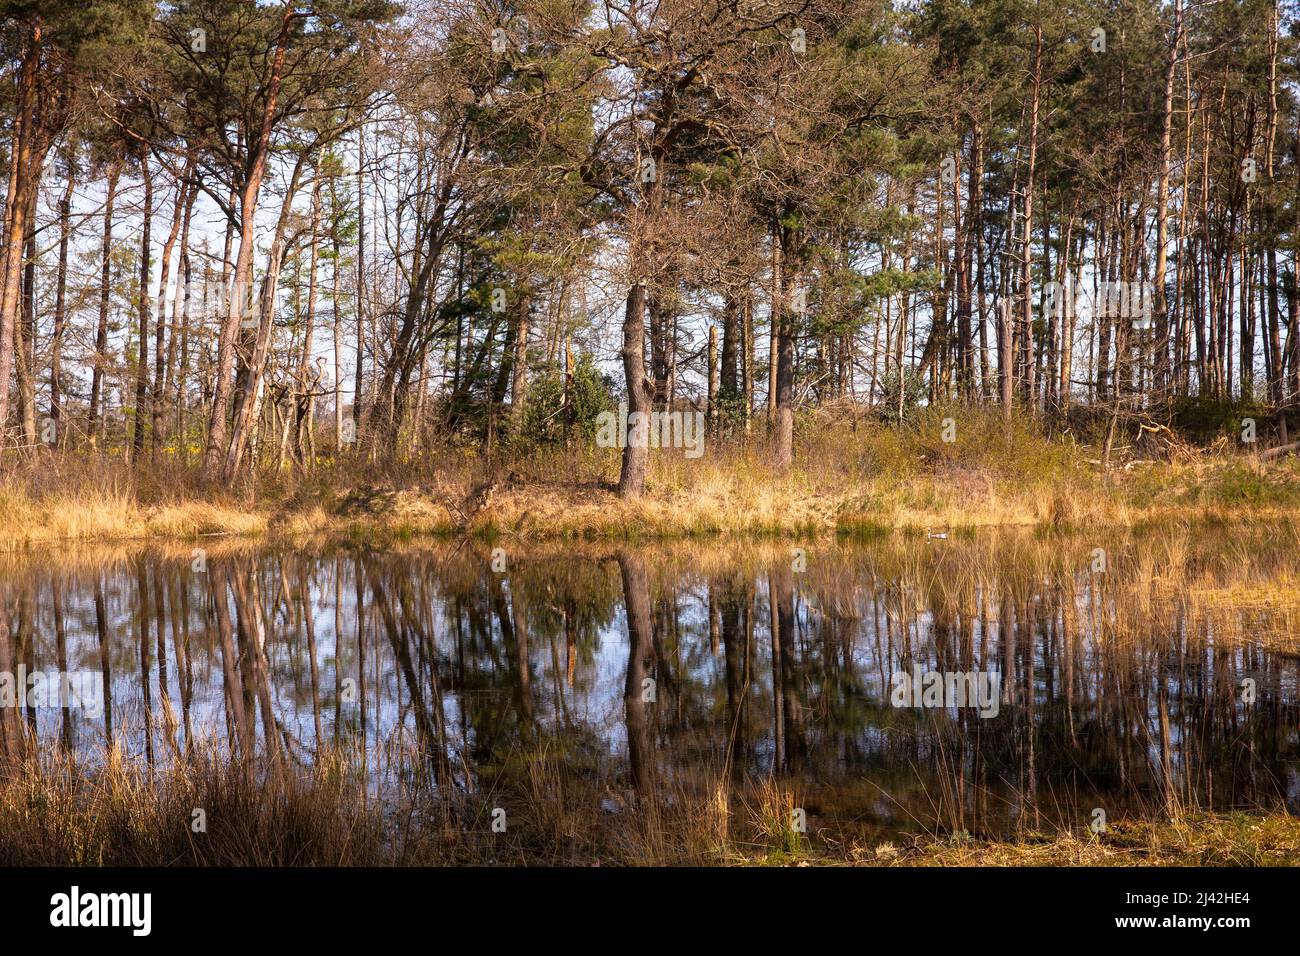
1027	253
94	426
1161	305
338	347
160	326
142	305
783	456
25	334
24	168
178	340
712	378
519	367
747	359
962	252
307	381
359	380
977	230
774	333
60	310
249	390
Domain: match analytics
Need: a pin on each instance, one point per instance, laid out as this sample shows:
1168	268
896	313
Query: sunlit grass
856	478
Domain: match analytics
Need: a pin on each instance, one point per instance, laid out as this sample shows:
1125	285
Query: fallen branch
1279	451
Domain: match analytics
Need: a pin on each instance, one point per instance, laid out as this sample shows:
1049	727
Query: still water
440	668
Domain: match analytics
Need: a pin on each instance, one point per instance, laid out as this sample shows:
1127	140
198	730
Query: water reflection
650	668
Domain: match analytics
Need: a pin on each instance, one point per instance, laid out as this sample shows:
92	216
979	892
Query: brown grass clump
55	812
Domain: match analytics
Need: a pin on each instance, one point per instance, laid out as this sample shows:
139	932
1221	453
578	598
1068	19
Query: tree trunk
94	426
1027	254
774	334
783	452
60	310
179	205
358	379
519	369
142	305
1161	305
24	168
640	400
218	425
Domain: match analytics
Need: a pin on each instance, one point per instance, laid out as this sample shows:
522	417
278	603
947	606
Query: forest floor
858	480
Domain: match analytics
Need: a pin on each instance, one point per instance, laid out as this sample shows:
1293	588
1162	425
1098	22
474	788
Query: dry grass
848	479
95	517
58	499
1228	839
56	812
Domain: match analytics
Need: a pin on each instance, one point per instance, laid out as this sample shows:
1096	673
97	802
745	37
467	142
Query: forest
261	238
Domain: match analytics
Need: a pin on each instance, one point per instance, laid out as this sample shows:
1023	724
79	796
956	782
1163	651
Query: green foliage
894	408
544	421
1203	418
730	414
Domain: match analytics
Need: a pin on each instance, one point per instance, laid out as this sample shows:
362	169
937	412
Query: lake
986	685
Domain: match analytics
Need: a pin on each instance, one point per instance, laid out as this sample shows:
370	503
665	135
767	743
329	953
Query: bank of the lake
554	497
55	812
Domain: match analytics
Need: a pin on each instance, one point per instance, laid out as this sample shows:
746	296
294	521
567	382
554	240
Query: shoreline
544	513
58	812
